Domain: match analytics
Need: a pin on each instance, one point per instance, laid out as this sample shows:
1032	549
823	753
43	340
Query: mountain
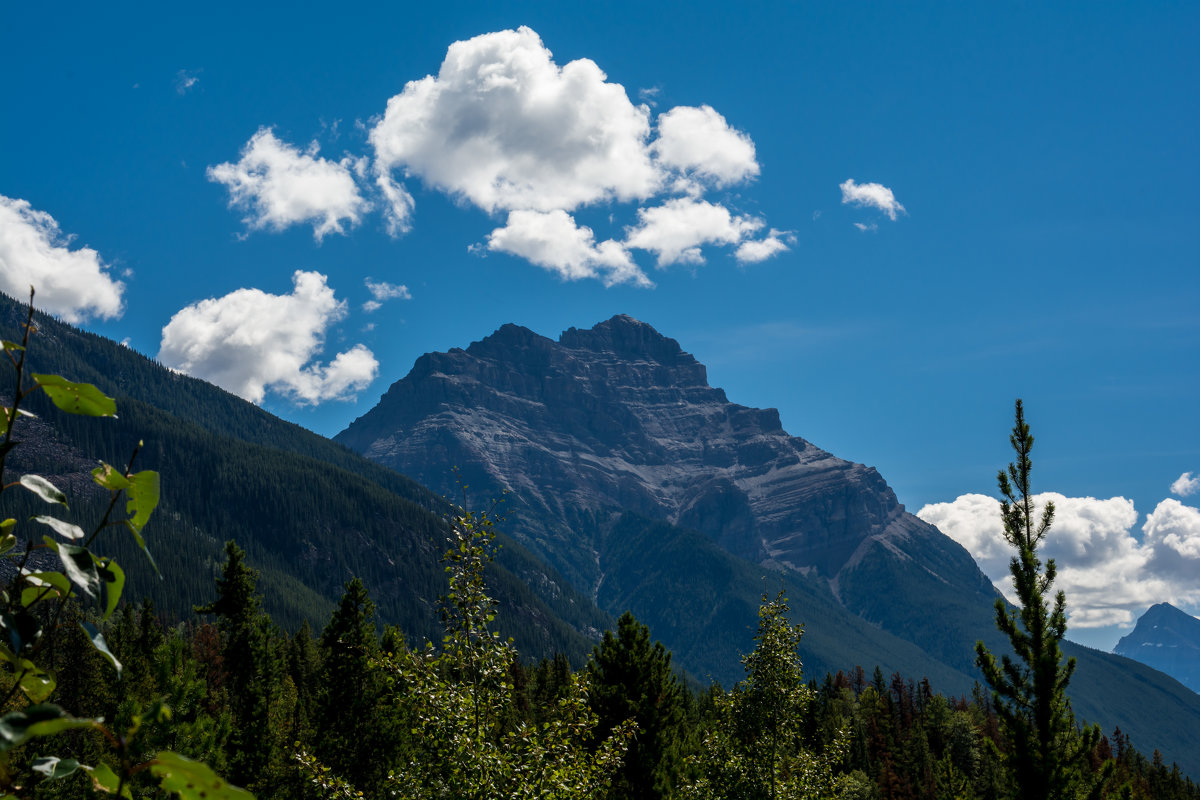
310	513
650	491
620	419
1168	640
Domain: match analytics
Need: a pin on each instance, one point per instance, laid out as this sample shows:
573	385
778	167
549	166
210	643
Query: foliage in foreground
33	624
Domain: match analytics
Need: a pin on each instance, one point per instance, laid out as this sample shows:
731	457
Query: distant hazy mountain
650	491
1168	640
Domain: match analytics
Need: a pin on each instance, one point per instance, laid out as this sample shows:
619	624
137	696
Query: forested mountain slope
605	427
310	513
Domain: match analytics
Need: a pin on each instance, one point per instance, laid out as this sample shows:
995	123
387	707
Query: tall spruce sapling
1049	754
251	670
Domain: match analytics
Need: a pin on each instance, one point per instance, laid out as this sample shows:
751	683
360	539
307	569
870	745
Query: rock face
1168	640
620	418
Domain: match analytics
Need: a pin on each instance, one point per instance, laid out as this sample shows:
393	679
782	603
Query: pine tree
352	735
251	671
1029	693
631	678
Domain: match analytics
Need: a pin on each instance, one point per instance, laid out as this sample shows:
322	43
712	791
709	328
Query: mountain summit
1168	640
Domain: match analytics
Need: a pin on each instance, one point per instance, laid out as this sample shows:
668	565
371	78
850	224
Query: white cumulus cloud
1173	529
1186	484
249	342
278	186
699	143
551	239
755	250
74	284
504	127
1108	574
382	291
675	230
875	195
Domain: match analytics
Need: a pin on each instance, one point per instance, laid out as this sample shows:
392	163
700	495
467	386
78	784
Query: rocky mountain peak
626	337
620	417
1167	639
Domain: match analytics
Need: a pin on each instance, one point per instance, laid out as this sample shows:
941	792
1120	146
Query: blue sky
1040	164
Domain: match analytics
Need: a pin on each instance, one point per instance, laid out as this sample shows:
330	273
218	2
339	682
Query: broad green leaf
7	542
35	684
18	727
98	642
43	586
62	527
77	398
54	767
137	537
143	497
79	565
55	579
43	489
110	477
105	780
7	524
192	780
11	346
36	594
114	583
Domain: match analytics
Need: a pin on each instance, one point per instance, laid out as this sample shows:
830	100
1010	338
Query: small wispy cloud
382	291
186	80
874	195
753	251
866	228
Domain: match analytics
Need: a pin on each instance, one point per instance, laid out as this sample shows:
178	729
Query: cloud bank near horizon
1110	575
